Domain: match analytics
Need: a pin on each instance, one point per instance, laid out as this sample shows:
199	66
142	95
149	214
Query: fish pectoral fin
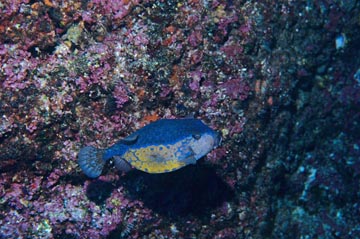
130	140
121	164
190	157
190	160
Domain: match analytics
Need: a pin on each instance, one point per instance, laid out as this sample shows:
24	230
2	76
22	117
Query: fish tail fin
91	161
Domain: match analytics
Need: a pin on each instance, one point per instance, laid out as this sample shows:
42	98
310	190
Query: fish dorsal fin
130	140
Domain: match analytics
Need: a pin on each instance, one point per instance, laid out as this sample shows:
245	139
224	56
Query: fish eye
196	136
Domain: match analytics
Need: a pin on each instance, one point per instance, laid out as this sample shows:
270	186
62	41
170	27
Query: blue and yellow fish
162	146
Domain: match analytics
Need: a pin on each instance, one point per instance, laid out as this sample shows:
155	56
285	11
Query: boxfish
159	147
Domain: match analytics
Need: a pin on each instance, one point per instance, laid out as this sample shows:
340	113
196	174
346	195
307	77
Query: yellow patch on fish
155	159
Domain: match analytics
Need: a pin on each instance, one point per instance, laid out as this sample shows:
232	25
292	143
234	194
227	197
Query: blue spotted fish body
162	146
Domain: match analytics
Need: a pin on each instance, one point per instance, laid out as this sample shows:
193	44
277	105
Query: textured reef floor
279	79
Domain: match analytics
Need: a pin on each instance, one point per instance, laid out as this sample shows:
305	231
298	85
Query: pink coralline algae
236	88
120	94
265	74
232	50
195	82
70	208
117	9
16	64
10	8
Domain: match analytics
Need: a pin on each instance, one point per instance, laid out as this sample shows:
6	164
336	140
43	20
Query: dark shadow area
98	191
194	190
191	190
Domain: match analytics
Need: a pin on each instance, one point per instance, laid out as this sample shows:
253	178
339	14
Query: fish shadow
98	191
194	190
